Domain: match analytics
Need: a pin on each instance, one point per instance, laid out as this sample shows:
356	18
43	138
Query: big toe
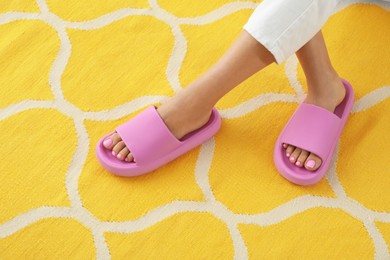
111	141
313	162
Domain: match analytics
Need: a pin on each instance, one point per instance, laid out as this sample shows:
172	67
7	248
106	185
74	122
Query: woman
276	30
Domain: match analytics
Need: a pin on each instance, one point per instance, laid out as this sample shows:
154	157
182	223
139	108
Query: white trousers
284	26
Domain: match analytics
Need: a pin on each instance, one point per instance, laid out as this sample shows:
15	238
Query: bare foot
333	96
182	114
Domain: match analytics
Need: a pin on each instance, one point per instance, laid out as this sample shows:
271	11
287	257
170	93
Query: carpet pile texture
72	71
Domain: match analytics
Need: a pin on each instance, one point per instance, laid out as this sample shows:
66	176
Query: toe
123	153
312	162
118	147
289	150
111	141
295	154
129	158
285	145
302	158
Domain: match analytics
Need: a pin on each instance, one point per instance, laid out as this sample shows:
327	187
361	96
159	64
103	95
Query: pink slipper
151	143
316	130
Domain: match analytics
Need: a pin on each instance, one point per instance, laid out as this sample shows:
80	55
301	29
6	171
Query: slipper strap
313	129
147	136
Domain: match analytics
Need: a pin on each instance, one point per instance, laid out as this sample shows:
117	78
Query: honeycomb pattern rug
73	70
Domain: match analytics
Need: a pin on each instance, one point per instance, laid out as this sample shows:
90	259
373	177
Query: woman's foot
182	113
333	94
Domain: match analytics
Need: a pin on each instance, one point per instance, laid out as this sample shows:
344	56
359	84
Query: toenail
298	163
292	158
107	142
113	153
311	163
126	159
119	156
287	154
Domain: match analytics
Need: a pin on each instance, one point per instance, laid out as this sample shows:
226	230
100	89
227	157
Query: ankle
327	95
184	106
195	98
321	77
325	82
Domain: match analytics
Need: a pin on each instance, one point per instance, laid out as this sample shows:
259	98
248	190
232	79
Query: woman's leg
285	27
275	30
325	89
191	107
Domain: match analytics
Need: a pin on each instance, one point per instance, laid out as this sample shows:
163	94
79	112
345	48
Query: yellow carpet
73	70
